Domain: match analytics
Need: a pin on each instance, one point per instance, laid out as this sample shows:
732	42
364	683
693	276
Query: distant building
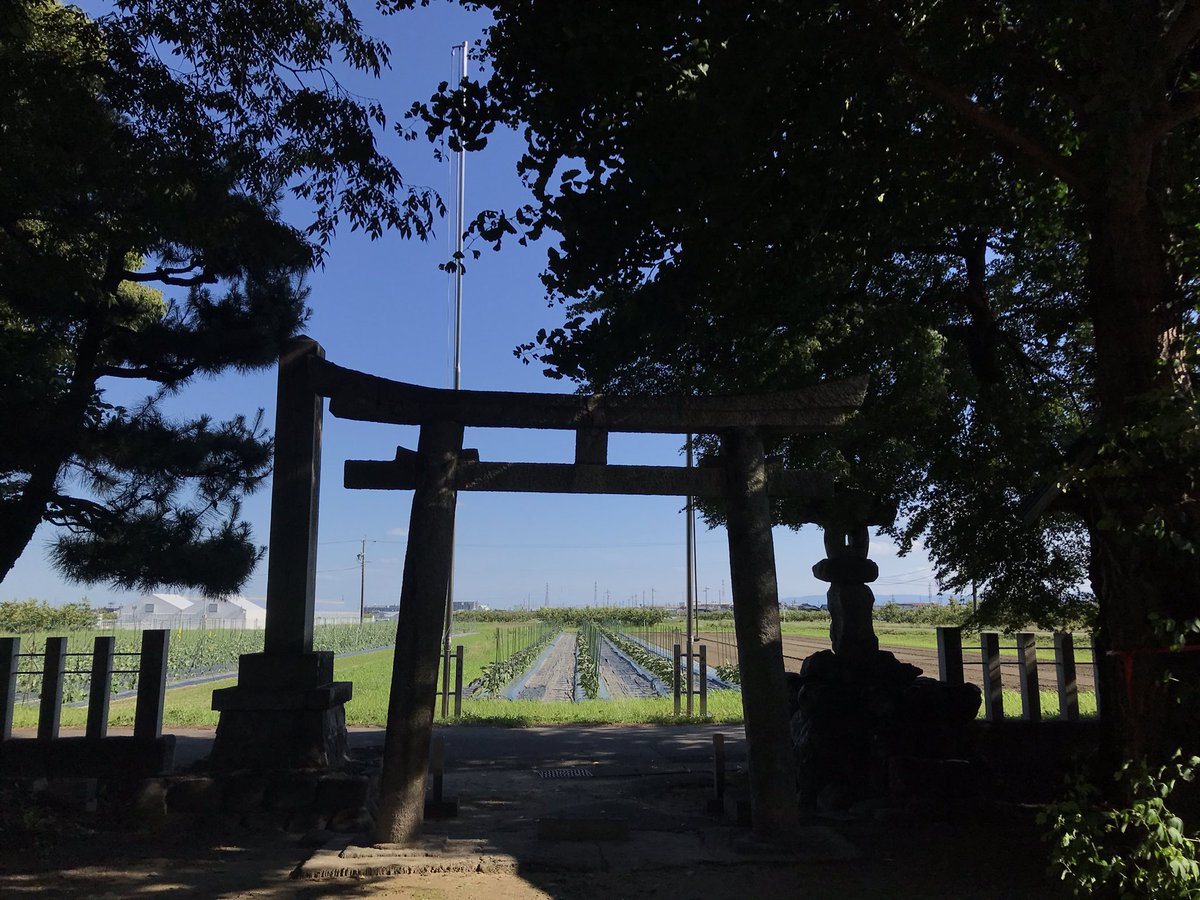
468	606
178	611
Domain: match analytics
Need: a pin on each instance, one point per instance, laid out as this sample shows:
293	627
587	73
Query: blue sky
384	307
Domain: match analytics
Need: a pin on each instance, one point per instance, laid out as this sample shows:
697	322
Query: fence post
101	687
53	667
950	656
1068	685
10	650
1096	657
152	685
703	680
993	690
676	671
497	644
1031	696
458	670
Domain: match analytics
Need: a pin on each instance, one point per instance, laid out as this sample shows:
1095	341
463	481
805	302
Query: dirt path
796	648
554	679
622	677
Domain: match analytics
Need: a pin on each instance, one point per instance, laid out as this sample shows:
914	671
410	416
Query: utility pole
595	588
460	188
547	600
362	579
690	606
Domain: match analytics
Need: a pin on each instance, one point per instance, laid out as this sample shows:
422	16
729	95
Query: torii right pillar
775	814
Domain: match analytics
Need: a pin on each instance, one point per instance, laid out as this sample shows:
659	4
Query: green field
371	675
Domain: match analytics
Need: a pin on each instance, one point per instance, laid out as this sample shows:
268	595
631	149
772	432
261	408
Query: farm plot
623	677
554	678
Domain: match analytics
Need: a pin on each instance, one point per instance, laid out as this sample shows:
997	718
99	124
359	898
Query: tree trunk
1140	578
60	441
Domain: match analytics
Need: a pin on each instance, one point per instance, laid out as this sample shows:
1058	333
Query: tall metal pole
460	187
362	580
691	580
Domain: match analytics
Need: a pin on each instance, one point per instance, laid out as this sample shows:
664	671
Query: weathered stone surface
318	837
846	569
851	716
262	820
935	779
291	792
74	793
189	795
338	792
305	820
351	821
850	627
244	791
149	801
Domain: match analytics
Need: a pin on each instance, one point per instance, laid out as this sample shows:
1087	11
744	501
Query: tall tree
144	153
988	205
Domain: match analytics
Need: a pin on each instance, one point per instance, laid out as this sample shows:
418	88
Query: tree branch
1182	108
150	373
1008	135
1182	32
170	276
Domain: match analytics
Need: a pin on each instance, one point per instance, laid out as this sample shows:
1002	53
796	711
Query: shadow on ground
656	779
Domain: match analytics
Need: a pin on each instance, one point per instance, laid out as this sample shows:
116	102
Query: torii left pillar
286	711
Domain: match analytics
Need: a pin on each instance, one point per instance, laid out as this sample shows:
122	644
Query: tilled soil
622	677
554	679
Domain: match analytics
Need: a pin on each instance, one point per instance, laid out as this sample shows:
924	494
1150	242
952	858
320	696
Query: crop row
190	653
498	674
647	659
587	659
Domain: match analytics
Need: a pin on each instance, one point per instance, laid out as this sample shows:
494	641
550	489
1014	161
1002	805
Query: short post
458	679
437	805
101	687
675	669
10	657
437	766
53	667
152	685
1096	657
703	680
716	803
1068	685
497	644
1031	695
950	657
993	689
446	656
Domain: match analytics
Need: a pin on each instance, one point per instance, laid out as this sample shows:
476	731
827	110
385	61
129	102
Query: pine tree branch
170	276
150	373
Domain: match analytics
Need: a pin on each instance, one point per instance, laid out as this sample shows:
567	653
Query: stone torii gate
293	686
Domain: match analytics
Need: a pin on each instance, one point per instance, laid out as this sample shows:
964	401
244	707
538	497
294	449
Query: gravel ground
622	677
554	679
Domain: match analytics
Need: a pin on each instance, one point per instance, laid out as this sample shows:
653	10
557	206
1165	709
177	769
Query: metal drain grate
565	772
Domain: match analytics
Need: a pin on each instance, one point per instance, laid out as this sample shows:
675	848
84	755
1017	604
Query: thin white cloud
398	532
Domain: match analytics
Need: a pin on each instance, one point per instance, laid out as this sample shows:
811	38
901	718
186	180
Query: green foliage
730	674
17	617
1136	850
759	196
647	659
145	152
570	616
496	675
587	659
191	653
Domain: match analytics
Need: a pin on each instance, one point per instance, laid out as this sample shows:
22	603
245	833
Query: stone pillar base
286	712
